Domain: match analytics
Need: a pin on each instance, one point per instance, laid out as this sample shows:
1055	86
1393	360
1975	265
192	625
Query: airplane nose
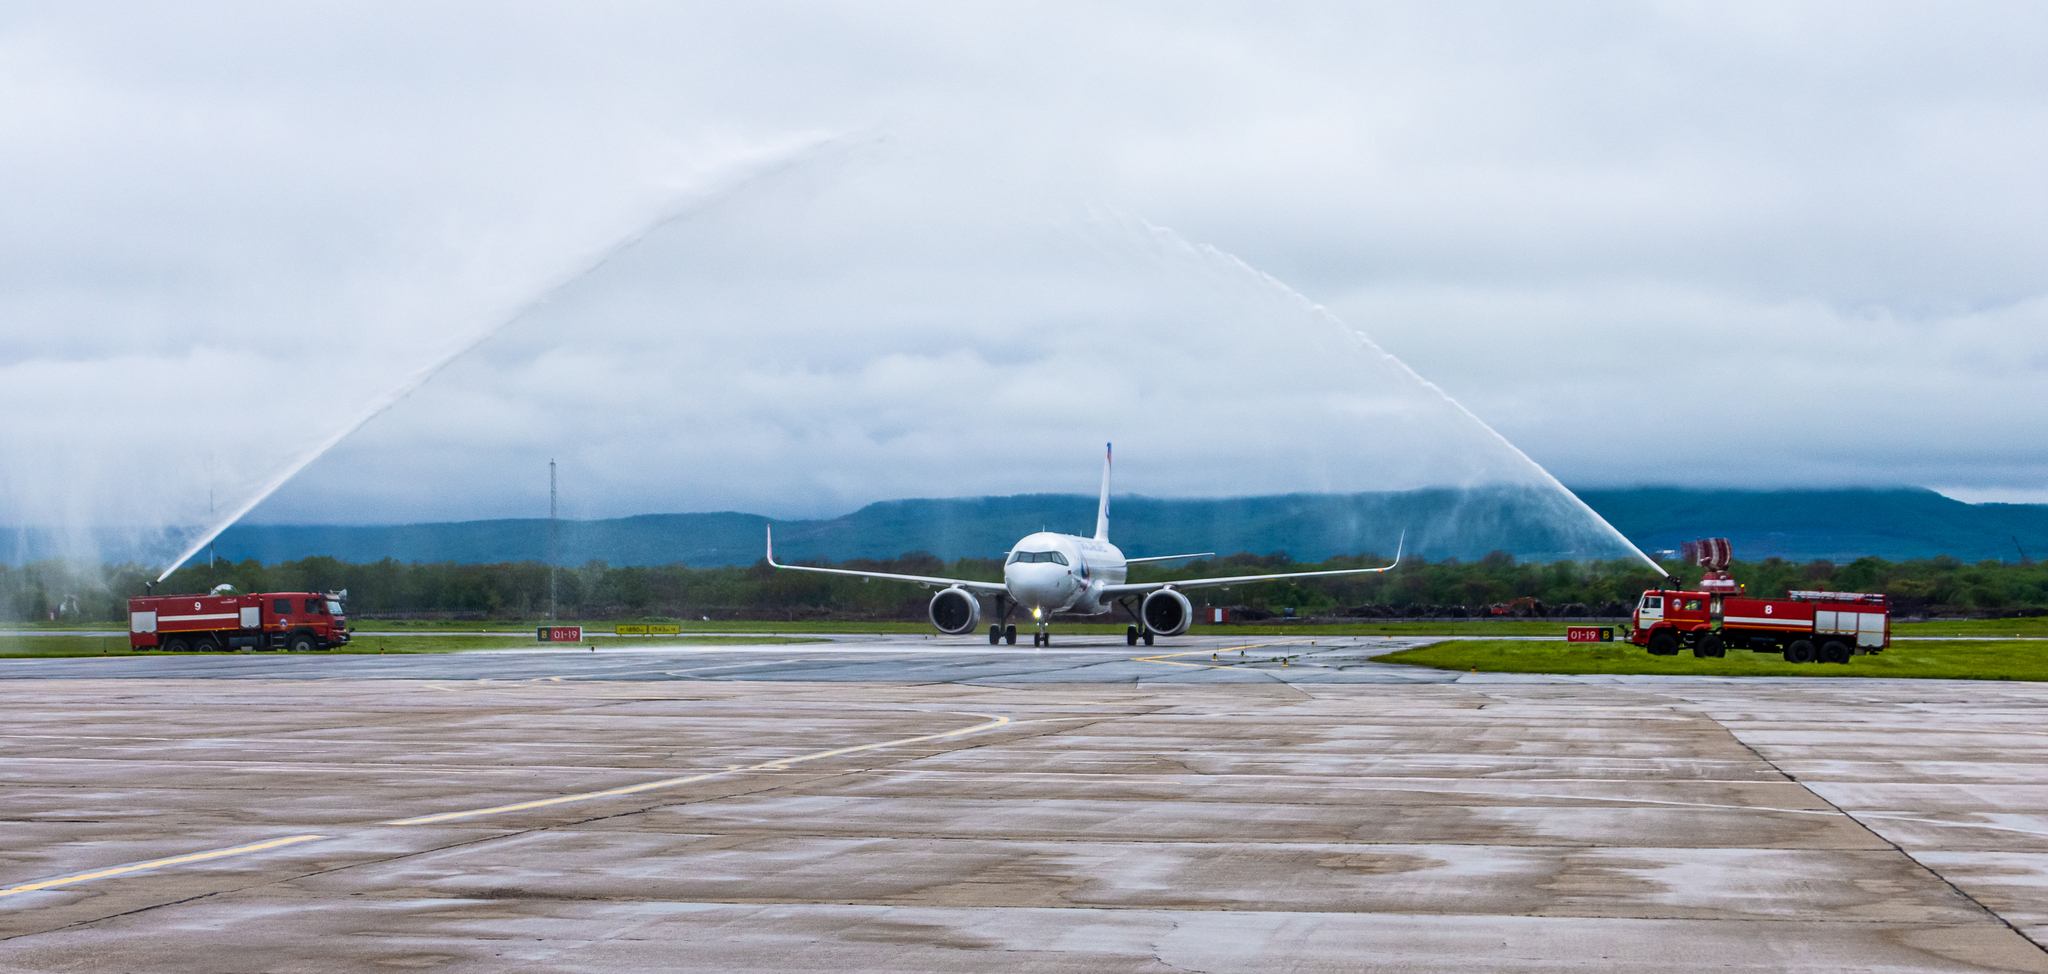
1037	584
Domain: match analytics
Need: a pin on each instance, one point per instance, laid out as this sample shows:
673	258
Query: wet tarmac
904	804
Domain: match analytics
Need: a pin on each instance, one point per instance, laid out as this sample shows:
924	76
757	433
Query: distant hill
1838	525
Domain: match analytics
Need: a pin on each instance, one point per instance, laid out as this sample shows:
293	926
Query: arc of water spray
696	203
1325	314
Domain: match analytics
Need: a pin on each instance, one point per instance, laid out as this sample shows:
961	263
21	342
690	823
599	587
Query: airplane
1049	572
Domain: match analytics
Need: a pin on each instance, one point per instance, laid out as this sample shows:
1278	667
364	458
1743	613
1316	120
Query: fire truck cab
301	622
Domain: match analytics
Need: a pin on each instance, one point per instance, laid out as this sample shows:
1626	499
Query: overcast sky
884	250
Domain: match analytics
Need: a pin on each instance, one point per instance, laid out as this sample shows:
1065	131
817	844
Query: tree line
58	590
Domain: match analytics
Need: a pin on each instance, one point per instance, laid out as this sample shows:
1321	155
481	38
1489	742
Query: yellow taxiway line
156	863
779	764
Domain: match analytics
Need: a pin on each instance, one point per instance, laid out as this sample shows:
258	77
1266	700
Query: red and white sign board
559	634
1589	634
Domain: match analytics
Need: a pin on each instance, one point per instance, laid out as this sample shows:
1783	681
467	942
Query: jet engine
1167	612
955	610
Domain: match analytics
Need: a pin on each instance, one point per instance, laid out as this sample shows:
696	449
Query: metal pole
211	554
552	540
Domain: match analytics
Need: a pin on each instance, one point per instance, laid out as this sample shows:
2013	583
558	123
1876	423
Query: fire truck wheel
1709	647
303	643
177	644
1663	644
1834	651
205	644
1801	651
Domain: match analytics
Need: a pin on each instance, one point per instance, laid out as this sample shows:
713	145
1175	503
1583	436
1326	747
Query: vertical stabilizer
1102	512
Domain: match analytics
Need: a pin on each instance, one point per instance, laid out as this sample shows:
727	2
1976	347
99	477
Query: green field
116	644
438	636
1511	627
7	627
1935	660
2034	627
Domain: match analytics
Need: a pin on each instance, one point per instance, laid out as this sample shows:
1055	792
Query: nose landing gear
1039	638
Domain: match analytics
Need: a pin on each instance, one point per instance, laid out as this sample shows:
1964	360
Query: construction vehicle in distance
301	622
1522	608
1805	626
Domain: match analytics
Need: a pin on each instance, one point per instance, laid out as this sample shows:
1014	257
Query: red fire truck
298	621
1804	626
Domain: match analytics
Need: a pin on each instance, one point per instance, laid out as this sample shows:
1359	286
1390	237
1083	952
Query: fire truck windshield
333	607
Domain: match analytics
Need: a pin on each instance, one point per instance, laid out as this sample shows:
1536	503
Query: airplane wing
1140	561
924	580
1250	579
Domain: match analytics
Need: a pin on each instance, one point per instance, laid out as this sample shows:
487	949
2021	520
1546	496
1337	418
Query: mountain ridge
1832	524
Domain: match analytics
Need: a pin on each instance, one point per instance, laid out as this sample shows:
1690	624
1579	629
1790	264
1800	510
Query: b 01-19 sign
559	634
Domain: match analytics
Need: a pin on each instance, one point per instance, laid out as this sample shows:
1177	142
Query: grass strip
1930	660
1475	627
2031	626
116	644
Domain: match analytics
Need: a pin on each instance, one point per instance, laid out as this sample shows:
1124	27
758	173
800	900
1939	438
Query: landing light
1037	612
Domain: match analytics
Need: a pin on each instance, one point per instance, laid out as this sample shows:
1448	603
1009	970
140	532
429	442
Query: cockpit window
1032	557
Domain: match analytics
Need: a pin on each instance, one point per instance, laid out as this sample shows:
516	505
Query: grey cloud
1595	223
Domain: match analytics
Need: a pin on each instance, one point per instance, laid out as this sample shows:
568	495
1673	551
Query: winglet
1398	547
771	547
1102	512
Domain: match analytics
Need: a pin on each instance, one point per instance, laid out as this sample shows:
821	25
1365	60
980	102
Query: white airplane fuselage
1071	583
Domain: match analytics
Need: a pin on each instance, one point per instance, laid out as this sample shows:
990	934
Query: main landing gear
1002	631
1137	630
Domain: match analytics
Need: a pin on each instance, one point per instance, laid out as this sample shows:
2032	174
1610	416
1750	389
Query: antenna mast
552	536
